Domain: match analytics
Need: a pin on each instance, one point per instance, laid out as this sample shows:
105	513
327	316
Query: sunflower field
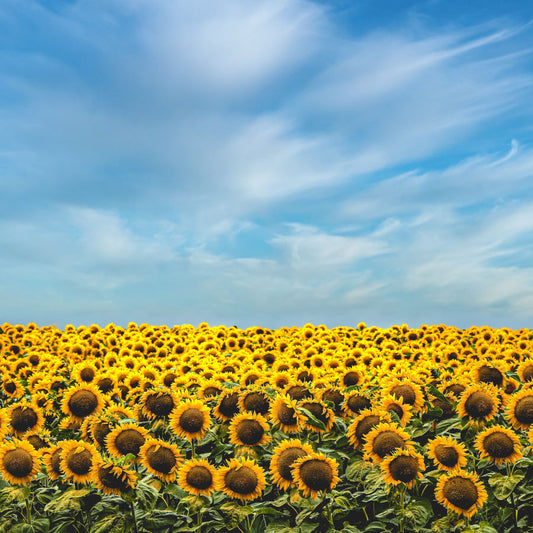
294	430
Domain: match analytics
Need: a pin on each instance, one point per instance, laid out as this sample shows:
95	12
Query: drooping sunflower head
40	440
197	477
447	453
77	459
81	401
479	403
285	415
285	454
384	440
111	478
334	396
126	439
227	406
190	420
52	460
249	429
19	462
158	404
355	402
161	459
315	473
255	401
403	466
241	479
499	444
520	409
363	423
488	372
461	492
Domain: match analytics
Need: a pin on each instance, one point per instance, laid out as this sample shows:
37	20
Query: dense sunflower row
305	428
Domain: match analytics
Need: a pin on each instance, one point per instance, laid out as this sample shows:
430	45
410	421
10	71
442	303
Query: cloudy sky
266	162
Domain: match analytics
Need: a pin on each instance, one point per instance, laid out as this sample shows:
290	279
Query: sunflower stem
132	507
28	510
515	512
193	452
402	507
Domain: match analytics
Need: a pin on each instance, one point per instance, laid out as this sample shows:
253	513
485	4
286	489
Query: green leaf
503	486
69	500
431	389
313	420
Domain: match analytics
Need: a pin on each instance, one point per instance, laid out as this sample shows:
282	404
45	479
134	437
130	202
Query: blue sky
271	163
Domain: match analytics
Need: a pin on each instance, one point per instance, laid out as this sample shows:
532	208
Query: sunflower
77	460
39	440
403	466
249	429
397	405
352	376
126	439
241	479
384	439
11	387
281	380
355	402
81	401
227	405
499	444
283	459
478	403
519	410
334	396
409	392
52	461
315	473
23	416
210	390
447	453
296	390
255	401
161	459
197	477
461	492
525	371
363	424
19	462
488	372
284	413
158	404
85	372
320	411
190	420
111	478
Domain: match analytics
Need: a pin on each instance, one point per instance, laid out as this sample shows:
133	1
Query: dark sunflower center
37	442
403	468
523	410
111	480
446	455
456	389
10	387
82	403
229	405
160	405
199	477
297	392
447	407
461	492
105	384
488	374
334	397
162	460
256	402
365	425
169	379
18	463
286	415
241	480
100	431
528	373
479	405
129	441
405	392
316	410
192	420
397	408
209	392
286	460
55	461
316	474
386	442
357	403
23	418
498	445
250	432
80	463
87	374
351	378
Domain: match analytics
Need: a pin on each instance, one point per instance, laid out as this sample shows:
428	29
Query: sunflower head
161	459
315	473
23	417
249	429
284	414
77	459
241	479
499	444
478	403
363	424
461	492
197	477
255	401
403	466
408	391
126	439
447	453
403	410
384	440
111	478
520	409
190	419
19	462
355	402
158	404
283	459
81	401
320	411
